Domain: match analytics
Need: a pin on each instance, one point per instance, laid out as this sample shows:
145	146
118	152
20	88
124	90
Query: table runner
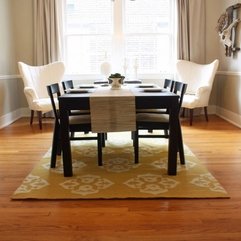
112	110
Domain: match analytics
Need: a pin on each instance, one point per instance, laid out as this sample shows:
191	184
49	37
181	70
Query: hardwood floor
216	143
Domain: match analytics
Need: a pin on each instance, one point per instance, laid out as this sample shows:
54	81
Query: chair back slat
168	84
67	84
54	93
179	89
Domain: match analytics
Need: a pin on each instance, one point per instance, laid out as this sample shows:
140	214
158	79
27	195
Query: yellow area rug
119	177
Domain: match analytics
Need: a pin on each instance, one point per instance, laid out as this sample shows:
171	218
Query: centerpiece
116	80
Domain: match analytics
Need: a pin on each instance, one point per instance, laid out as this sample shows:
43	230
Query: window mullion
118	37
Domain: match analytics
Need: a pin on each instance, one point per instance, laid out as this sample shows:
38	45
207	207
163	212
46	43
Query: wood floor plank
216	143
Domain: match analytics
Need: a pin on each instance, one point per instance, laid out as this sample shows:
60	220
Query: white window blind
137	33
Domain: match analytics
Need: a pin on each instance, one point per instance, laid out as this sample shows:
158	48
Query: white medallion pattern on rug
86	184
59	167
209	182
31	183
162	164
88	152
119	165
151	183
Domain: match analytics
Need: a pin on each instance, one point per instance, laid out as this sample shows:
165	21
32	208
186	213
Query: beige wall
22	11
226	94
7	43
9	89
23	29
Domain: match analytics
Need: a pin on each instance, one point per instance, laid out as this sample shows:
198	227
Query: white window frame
118	40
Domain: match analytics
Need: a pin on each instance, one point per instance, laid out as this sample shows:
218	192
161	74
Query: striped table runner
112	110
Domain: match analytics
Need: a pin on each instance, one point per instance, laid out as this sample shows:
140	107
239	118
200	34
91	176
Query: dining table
139	98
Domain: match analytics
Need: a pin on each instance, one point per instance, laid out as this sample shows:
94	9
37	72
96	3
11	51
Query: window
131	33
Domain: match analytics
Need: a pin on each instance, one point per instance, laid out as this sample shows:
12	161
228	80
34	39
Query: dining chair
69	84
77	123
167	85
159	121
199	78
35	79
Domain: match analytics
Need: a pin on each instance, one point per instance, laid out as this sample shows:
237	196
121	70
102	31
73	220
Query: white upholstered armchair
35	79
199	79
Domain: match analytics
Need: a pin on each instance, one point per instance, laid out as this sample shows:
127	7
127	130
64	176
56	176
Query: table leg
173	140
66	149
180	144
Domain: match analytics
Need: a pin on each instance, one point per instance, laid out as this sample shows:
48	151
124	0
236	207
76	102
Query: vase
116	83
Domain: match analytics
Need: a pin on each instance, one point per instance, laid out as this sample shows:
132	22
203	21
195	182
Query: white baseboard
9	118
229	116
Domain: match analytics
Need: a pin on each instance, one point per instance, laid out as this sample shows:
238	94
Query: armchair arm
30	93
201	90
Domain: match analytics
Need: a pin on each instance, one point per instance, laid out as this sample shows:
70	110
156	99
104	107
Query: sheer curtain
191	30
47	31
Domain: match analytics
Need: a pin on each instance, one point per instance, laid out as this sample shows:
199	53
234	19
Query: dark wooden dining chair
77	123
159	121
67	84
168	85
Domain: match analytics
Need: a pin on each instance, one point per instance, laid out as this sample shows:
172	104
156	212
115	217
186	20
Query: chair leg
99	144
206	112
183	112
132	137
180	145
31	117
191	116
55	145
136	145
40	119
103	136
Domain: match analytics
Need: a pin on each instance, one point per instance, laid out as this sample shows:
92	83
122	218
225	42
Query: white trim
9	118
15	76
96	76
234	73
229	116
